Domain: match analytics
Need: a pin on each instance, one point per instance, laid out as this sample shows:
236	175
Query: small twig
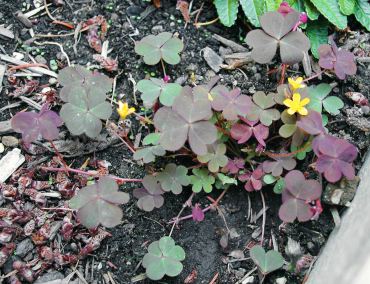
214	279
93	174
59	155
197	25
124	142
57	44
198	14
314	76
246	275
48	12
263	217
283	70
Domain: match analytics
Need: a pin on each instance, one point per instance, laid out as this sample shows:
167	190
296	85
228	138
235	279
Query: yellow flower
296	84
297	105
210	98
123	110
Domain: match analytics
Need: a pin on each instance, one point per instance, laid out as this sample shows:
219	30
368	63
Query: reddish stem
283	70
59	155
314	76
93	174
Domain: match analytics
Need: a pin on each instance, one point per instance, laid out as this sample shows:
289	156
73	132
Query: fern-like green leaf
347	7
272	5
253	9
362	13
330	10
312	12
317	32
227	11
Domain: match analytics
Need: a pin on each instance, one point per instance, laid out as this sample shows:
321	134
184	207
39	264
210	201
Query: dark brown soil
127	246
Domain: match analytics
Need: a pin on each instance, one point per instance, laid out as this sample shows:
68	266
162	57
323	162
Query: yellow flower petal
296	83
210	98
288	102
299	80
296	97
123	110
291	111
303	111
305	101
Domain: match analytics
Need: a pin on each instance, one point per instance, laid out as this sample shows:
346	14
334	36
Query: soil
129	240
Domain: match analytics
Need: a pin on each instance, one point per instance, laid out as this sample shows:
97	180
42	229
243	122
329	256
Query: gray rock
157	29
213	59
24	247
50	276
10	141
340	193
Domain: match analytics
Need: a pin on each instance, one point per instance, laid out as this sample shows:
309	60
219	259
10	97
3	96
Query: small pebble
10	141
2	148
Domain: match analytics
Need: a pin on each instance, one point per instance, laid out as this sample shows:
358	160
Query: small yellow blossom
297	105
123	110
296	83
210	98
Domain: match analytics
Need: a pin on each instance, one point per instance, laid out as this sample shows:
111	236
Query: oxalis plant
224	134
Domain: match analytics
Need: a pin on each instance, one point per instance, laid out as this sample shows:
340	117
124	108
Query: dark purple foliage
311	123
34	125
297	195
150	196
253	180
234	166
333	58
335	157
276	167
277	31
186	120
197	213
243	132
232	104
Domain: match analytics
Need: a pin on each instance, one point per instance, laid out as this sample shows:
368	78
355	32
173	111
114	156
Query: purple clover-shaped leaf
97	204
253	180
243	132
232	104
276	167
234	166
311	123
277	31
150	196
154	88
197	213
34	125
186	120
162	46
296	197
333	58
263	109
173	178
335	157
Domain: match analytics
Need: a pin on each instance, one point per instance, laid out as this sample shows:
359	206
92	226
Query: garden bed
119	255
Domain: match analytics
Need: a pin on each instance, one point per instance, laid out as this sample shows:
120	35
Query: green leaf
148	154
226	179
312	12
151	139
279	186
215	158
362	13
163	258
266	262
317	95
227	11
330	10
347	7
333	104
272	5
202	180
269	179
252	9
173	178
317	32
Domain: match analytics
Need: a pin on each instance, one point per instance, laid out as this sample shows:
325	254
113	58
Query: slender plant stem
186	204
93	174
213	205
59	155
197	25
124	142
283	70
314	76
263	217
164	68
